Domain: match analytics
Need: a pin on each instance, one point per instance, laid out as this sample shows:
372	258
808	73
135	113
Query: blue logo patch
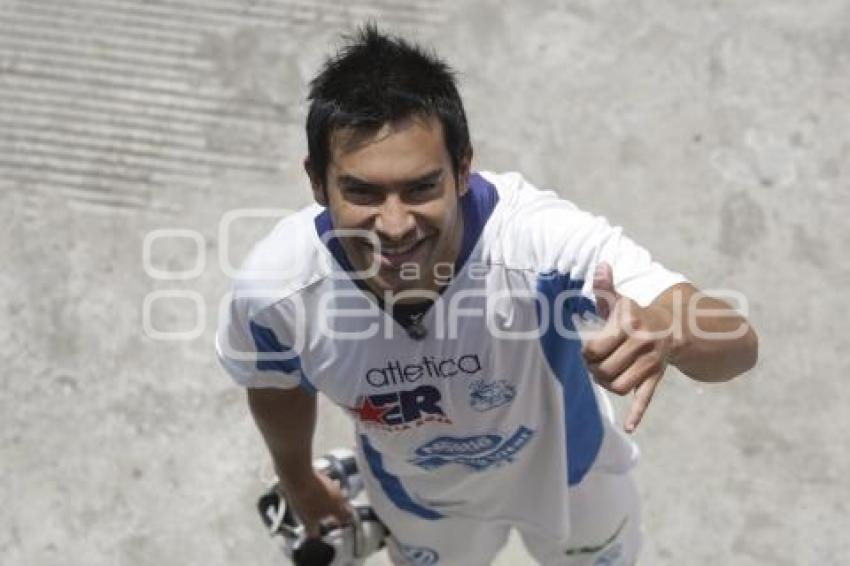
478	452
484	396
419	555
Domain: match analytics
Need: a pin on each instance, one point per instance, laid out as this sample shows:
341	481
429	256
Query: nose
394	220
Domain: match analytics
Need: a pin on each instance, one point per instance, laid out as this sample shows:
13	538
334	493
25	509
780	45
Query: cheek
441	215
442	223
352	217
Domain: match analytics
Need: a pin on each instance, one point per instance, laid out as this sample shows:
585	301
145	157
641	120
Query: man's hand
630	352
318	502
287	419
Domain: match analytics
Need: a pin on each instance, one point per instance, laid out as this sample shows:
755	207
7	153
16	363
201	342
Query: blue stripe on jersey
582	419
324	224
266	341
392	484
476	206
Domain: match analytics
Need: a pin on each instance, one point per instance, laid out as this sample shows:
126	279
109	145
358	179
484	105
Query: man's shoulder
518	194
506	184
530	224
288	259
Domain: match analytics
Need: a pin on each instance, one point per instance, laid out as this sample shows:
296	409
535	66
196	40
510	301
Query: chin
395	284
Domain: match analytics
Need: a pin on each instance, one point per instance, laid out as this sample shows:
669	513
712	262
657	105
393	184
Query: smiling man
398	183
468	322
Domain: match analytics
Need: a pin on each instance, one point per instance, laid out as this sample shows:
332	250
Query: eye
360	194
424	191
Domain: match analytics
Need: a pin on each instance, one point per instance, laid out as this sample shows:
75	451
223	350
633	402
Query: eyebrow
352	181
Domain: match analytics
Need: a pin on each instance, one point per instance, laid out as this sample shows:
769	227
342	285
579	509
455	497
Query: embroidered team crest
484	395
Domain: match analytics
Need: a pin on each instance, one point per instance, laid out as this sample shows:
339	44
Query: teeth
397	251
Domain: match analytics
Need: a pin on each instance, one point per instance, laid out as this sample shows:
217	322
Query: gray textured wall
715	132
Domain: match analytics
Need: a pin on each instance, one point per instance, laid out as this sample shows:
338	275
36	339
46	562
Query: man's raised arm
715	343
704	337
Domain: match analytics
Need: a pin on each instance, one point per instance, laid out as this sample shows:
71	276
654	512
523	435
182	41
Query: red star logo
367	412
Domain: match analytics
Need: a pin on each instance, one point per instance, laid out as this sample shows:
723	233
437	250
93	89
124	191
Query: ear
320	195
464	170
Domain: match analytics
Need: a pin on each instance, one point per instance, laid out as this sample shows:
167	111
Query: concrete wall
715	132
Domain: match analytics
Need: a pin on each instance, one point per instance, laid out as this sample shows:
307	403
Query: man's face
396	184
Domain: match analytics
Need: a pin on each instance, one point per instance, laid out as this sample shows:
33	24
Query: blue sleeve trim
266	341
392	484
582	419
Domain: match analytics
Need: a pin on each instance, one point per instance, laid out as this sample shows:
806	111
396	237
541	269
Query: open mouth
393	257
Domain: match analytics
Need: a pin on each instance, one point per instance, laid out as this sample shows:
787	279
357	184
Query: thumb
603	290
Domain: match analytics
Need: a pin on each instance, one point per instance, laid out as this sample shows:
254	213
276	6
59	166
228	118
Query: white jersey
489	413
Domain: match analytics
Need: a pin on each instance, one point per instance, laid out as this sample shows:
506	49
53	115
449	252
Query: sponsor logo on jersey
478	452
402	410
429	367
419	555
484	395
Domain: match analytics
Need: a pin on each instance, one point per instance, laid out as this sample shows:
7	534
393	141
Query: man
448	312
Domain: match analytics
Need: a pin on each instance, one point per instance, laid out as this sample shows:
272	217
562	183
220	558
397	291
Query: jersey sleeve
550	234
253	349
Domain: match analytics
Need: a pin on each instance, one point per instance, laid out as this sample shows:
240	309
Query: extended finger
643	396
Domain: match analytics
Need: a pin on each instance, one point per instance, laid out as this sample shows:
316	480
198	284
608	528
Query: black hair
378	78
